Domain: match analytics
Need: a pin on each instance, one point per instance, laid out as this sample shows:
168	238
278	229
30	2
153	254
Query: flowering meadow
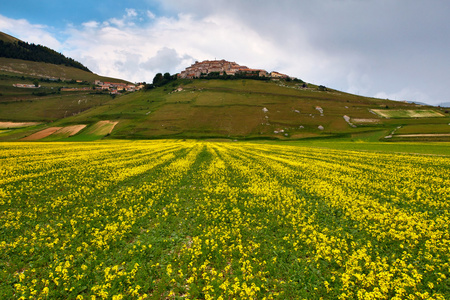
199	220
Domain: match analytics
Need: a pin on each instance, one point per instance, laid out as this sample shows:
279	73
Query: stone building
221	66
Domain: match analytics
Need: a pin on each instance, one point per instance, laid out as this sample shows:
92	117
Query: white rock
320	110
320	127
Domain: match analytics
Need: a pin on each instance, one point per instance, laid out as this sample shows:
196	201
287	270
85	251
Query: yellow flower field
198	220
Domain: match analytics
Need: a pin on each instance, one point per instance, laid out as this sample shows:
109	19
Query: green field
243	109
408	113
206	220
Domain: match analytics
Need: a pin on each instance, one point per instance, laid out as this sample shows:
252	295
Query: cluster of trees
160	80
38	53
238	75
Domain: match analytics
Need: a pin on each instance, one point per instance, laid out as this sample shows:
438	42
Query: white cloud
117	49
117	22
151	15
91	24
31	33
131	12
165	60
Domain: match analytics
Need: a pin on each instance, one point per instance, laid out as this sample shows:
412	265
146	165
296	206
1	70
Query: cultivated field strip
197	220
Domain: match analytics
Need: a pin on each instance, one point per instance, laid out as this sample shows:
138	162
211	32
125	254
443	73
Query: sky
394	49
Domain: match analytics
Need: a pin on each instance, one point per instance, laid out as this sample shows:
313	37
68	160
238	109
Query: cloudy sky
396	49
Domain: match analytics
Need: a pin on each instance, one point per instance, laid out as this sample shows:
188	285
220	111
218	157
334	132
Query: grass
173	219
14	67
214	109
420	129
50	108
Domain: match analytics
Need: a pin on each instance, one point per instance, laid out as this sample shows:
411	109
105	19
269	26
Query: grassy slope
10	66
234	108
20	104
7	38
226	109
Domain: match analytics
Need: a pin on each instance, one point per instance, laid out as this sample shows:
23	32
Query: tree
161	80
36	83
167	77
157	79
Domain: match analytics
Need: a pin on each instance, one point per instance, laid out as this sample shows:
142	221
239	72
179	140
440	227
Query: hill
62	91
228	101
246	109
11	47
7	38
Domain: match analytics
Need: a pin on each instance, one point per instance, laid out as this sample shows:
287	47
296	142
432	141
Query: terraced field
198	220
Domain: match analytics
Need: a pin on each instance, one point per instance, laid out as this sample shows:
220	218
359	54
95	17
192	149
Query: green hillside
46	103
234	109
7	38
18	67
11	47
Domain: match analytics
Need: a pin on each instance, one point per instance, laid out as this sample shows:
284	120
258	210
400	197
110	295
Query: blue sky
60	13
382	48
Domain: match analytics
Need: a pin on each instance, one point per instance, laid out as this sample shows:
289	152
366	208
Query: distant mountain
444	104
10	47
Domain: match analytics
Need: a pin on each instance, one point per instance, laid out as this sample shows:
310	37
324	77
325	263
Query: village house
277	75
113	86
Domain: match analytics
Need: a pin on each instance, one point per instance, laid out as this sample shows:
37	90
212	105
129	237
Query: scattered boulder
347	119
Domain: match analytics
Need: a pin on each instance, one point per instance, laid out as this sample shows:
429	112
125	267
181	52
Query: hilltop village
204	69
223	67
